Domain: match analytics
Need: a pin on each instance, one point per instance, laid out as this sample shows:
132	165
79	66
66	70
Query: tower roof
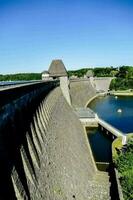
45	72
57	69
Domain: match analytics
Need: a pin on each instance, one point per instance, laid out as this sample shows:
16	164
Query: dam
44	149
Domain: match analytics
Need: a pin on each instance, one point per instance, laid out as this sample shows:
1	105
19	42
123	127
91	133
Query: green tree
124	164
125	72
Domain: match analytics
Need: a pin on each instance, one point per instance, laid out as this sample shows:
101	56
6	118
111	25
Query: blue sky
82	33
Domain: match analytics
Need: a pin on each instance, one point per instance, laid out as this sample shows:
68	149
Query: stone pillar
92	81
64	84
124	140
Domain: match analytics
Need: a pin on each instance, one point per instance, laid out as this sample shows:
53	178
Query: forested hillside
123	80
20	77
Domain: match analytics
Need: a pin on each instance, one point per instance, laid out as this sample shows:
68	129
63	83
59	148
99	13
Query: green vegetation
124	79
124	76
98	71
124	164
78	73
20	77
105	72
121	84
116	145
125	72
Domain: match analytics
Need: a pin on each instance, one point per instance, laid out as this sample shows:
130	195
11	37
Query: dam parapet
18	106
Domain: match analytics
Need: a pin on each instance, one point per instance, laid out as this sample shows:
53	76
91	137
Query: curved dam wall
44	151
17	107
56	157
81	92
102	83
66	164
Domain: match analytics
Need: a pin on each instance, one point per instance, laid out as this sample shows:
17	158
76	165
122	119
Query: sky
83	33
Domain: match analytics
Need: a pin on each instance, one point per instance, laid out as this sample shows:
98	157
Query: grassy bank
123	159
122	93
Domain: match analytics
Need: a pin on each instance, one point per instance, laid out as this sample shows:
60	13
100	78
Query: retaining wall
81	91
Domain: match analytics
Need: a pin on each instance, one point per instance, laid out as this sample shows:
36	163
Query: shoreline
121	93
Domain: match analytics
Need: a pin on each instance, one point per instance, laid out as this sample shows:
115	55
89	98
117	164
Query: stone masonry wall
17	107
45	153
102	83
81	91
56	157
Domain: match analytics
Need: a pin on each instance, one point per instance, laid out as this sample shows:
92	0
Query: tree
125	72
124	164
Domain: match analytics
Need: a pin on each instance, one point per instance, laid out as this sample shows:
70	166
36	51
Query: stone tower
90	76
57	70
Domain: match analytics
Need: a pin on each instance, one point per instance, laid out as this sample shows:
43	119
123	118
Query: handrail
5	84
104	123
8	94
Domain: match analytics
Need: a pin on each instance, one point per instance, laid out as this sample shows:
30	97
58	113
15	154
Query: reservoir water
106	108
7	83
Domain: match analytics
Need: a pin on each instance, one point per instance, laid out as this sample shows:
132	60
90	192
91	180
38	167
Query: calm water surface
4	83
106	108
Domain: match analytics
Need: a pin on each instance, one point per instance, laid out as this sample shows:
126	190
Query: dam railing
10	93
115	132
110	128
89	118
12	83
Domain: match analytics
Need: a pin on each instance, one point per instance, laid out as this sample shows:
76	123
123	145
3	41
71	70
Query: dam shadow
15	120
101	146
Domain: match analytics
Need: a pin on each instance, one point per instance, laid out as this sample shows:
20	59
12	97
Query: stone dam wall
81	92
45	153
102	83
17	107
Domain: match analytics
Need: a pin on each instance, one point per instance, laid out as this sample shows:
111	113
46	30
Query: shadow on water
101	148
100	145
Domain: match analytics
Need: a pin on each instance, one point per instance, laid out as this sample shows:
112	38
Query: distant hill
121	72
20	77
98	71
124	72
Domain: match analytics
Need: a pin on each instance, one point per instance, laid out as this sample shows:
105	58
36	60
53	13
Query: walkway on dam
85	113
87	117
12	84
110	128
90	118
